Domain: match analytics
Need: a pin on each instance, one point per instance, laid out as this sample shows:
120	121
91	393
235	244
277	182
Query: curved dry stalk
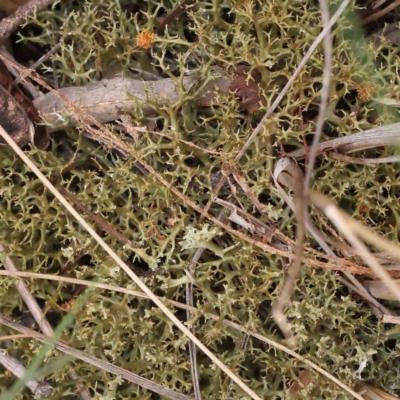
287	167
346	226
296	181
184	307
104	365
124	266
326	81
374	239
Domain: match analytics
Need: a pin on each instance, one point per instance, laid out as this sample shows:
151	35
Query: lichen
237	281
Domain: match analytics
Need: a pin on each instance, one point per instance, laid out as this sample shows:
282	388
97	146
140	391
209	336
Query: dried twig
104	365
251	223
14	72
380	13
41	60
295	182
175	13
105	100
125	267
177	304
10	24
301	186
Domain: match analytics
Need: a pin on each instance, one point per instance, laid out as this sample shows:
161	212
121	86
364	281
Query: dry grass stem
124	266
326	81
379	136
372	162
106	227
15	73
190	302
105	366
190	144
374	239
19	336
184	307
346	227
378	309
295	181
286	165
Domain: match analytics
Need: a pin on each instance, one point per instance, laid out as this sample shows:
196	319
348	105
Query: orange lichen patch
365	90
145	39
69	304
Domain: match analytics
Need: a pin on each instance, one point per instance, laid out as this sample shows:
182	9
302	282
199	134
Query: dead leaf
107	99
13	118
17	111
247	90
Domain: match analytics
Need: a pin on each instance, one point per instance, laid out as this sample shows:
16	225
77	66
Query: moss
239	282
